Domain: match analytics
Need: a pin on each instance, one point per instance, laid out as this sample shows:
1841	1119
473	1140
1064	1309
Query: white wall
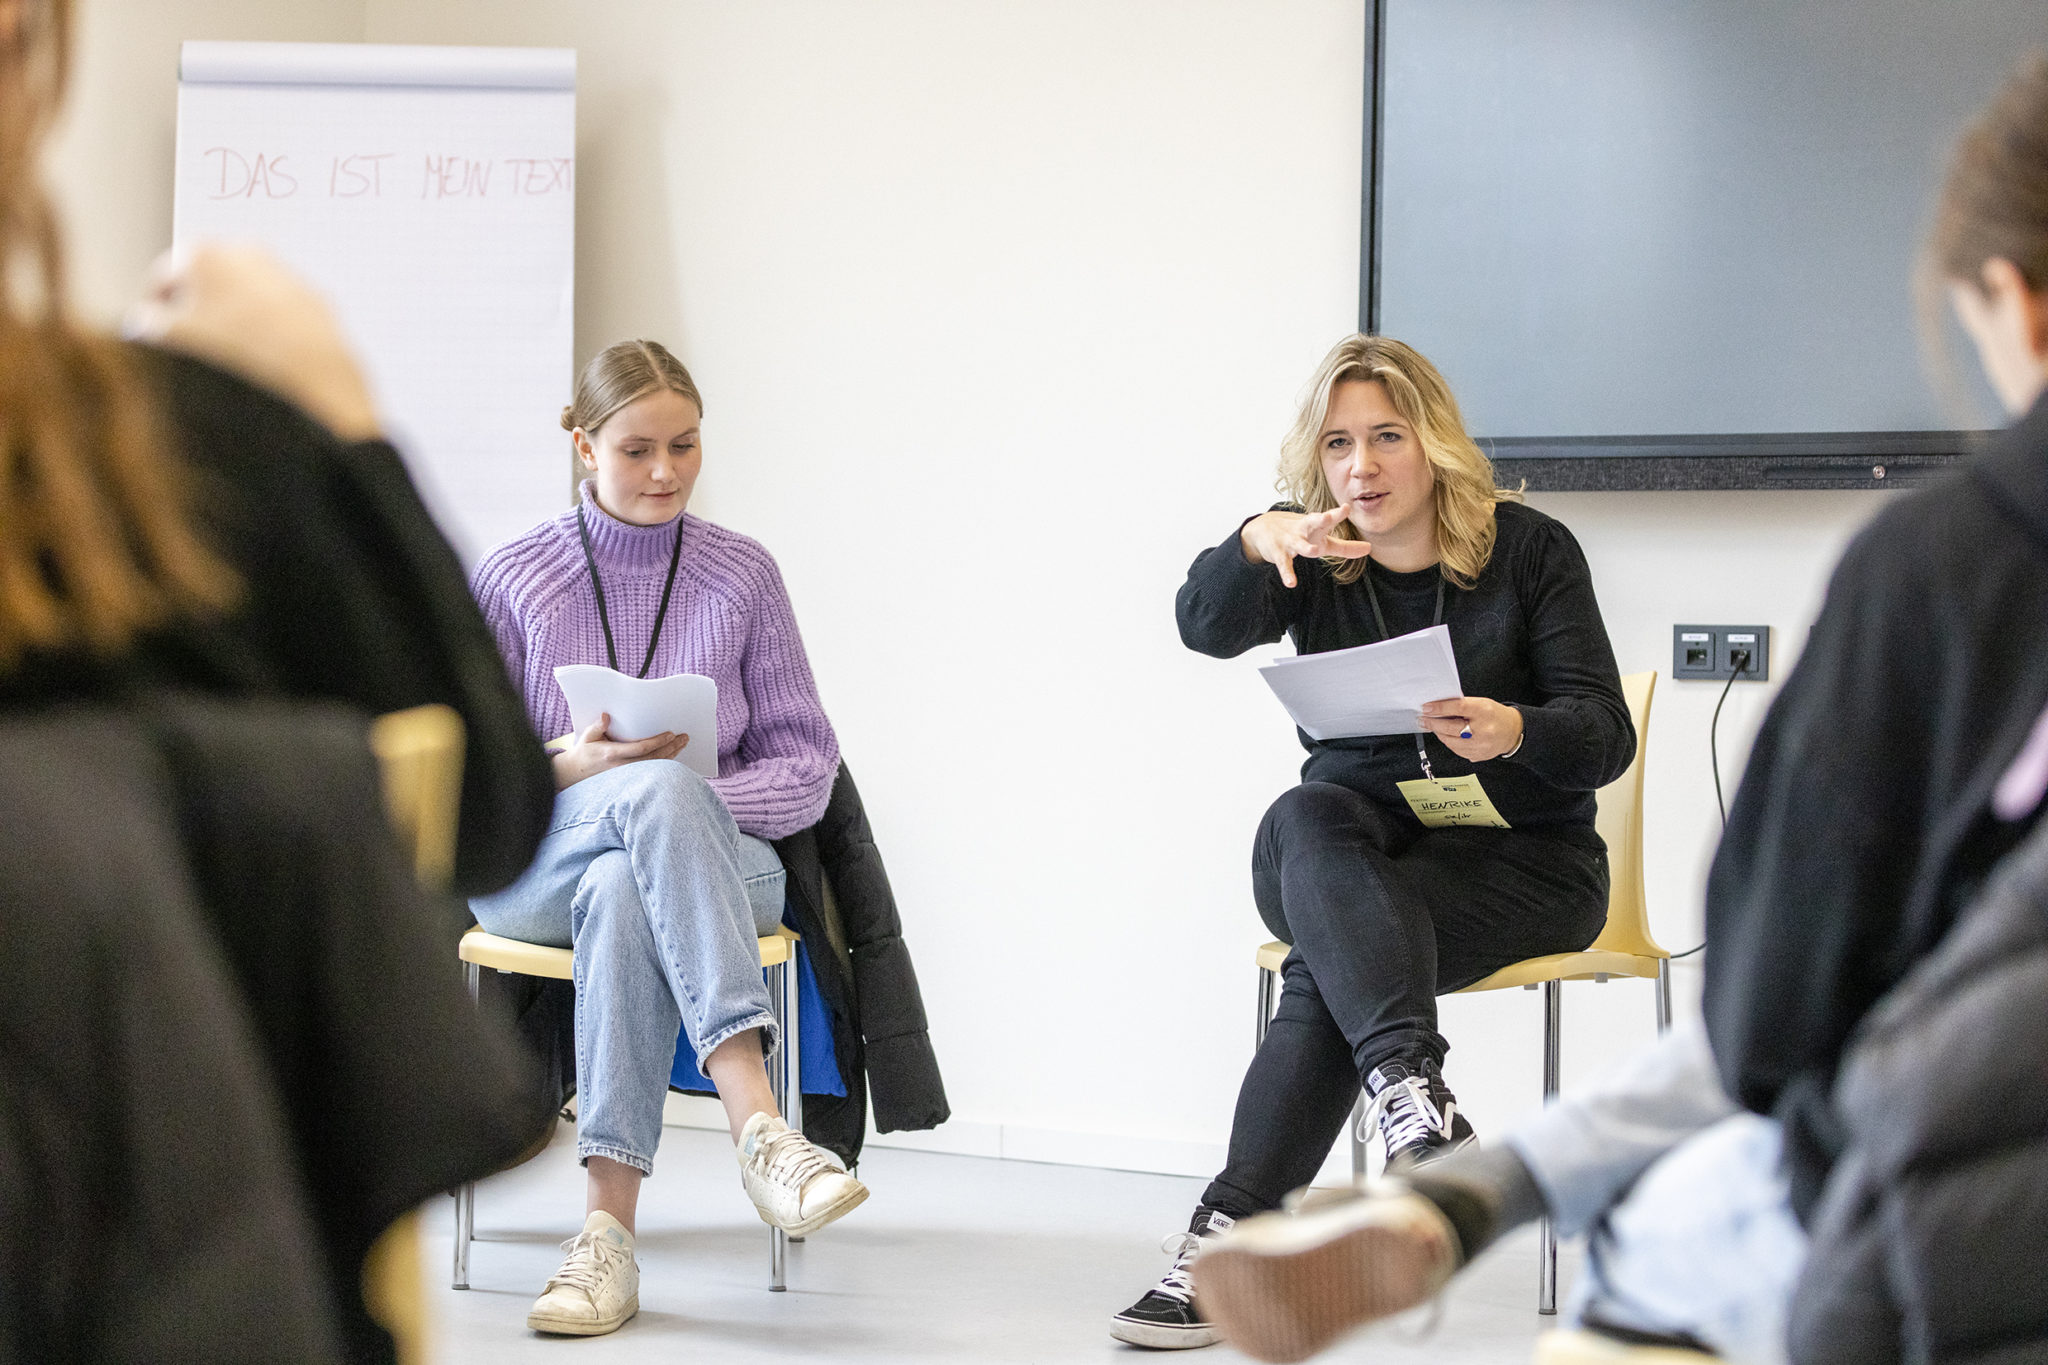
997	311
1000	311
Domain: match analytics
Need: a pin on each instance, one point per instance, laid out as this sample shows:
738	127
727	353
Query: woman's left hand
1473	728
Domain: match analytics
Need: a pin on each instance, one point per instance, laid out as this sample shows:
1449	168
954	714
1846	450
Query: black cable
1739	659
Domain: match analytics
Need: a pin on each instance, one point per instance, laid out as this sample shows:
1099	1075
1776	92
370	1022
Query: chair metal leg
778	1005
465	1193
1357	1139
1553	1039
1266	1003
792	1049
1663	995
793	1055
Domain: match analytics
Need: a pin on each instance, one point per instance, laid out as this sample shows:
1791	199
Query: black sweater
1528	633
350	594
1862	824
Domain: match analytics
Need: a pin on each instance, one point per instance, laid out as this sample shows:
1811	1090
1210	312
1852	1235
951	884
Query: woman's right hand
1277	537
241	308
593	752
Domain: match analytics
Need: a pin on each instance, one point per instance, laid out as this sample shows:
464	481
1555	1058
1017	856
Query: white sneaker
795	1185
597	1288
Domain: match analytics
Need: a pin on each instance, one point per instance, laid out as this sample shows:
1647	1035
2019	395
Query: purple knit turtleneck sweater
729	620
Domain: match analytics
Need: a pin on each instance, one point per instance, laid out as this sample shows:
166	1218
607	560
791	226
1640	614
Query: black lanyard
675	557
1380	620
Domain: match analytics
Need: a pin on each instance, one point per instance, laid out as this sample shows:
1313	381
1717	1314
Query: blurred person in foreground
1904	759
234	1049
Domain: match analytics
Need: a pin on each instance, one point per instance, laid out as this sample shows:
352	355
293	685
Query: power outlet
1707	653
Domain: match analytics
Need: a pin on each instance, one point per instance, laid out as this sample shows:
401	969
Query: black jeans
1384	916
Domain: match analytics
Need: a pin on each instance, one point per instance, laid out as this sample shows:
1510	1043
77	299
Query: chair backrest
1620	823
419	753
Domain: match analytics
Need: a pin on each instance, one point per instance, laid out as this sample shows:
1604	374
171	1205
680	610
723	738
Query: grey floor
952	1259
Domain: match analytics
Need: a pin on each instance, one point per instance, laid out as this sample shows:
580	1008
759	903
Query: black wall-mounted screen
1678	234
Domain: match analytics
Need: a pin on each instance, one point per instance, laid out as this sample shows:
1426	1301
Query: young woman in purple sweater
658	878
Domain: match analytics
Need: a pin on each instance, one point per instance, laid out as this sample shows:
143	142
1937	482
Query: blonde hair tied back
623	373
1464	491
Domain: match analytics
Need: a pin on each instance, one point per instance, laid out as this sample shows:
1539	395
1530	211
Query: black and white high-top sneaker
1416	1112
1165	1319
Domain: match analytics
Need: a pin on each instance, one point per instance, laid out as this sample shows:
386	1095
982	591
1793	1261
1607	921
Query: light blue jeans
1682	1197
645	875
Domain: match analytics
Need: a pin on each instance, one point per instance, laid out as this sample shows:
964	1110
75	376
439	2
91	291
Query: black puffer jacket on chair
1930	1244
840	897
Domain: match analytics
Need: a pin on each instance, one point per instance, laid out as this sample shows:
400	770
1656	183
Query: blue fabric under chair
819	1062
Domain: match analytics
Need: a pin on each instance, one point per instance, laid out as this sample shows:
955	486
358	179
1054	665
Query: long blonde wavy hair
1464	491
96	535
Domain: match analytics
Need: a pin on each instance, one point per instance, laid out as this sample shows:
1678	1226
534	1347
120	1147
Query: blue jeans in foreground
1682	1197
645	875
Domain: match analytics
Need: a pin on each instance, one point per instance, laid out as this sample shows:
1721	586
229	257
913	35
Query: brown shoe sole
1285	1296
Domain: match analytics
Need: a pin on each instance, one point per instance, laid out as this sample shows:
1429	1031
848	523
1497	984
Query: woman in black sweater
1395	525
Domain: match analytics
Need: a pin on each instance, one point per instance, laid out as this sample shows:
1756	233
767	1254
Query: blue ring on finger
1465	733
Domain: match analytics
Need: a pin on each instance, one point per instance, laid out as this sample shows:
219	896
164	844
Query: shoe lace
1178	1285
789	1158
1406	1114
590	1259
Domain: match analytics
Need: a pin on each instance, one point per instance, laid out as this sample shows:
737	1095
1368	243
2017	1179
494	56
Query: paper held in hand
1374	689
686	703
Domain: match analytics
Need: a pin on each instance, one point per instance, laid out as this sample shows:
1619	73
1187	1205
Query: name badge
1441	801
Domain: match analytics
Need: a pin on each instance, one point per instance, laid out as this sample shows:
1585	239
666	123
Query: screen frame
1706	460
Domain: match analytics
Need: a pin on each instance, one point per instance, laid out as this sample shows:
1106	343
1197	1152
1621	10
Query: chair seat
534	959
1588	1348
1567	967
1528	972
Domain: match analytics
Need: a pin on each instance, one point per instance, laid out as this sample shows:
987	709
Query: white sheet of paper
1374	689
686	703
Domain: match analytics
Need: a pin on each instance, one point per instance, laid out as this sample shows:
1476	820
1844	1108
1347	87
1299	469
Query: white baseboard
1010	1142
1109	1151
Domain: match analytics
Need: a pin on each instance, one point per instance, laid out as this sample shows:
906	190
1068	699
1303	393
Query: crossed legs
615	836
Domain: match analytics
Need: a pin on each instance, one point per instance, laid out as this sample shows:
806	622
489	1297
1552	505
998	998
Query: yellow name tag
1440	801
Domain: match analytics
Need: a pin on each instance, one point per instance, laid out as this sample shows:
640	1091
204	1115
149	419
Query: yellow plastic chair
1624	947
419	758
1589	1348
479	950
419	754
